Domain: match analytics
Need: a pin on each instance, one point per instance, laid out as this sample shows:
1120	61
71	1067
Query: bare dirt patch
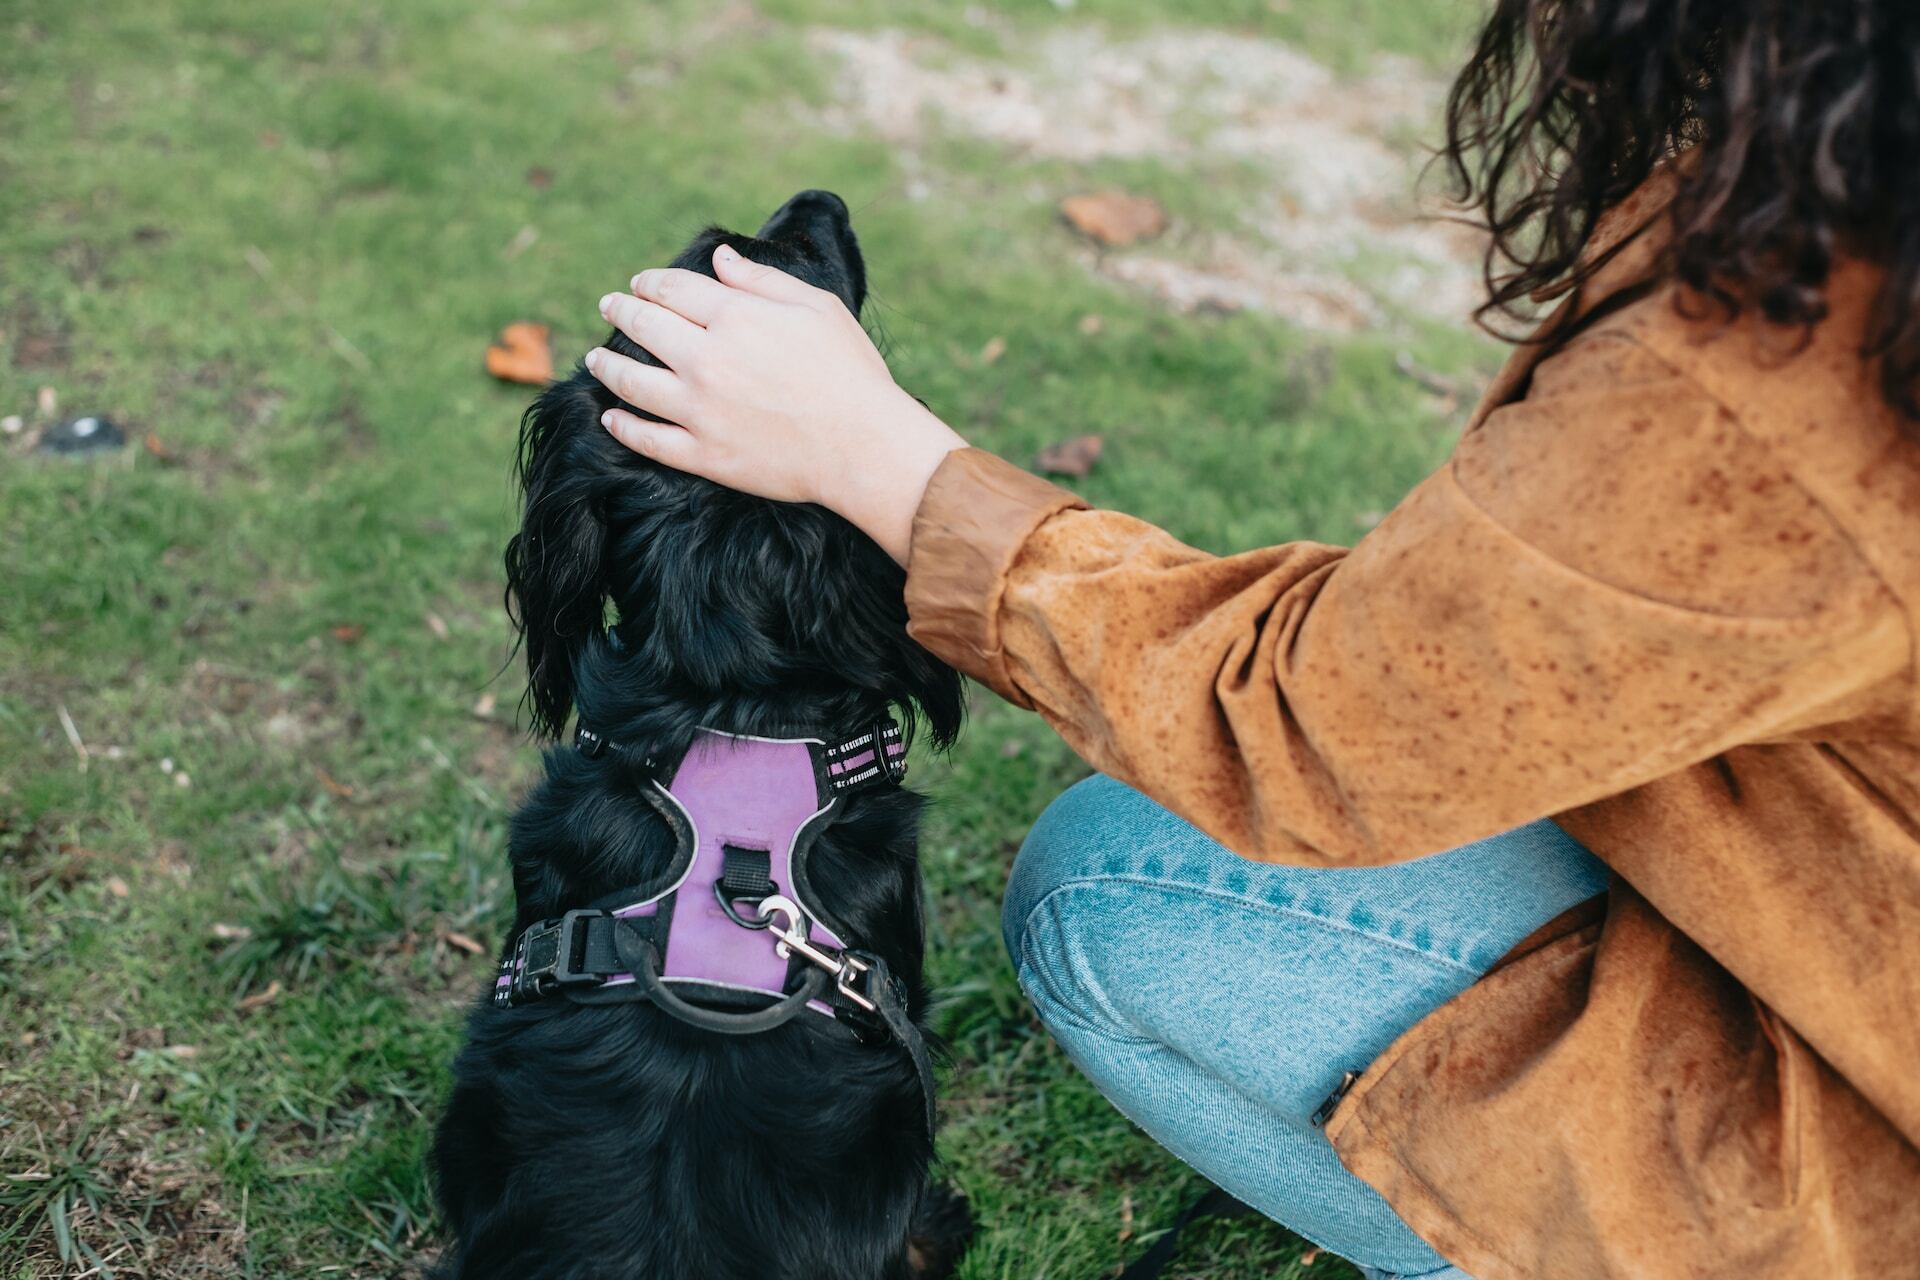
1338	240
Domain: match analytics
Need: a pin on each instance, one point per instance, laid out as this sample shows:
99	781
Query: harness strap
845	765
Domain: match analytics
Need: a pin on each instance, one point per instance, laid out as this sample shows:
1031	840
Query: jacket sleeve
1607	583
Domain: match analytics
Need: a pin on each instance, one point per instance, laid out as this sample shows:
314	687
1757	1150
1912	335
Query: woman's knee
1067	844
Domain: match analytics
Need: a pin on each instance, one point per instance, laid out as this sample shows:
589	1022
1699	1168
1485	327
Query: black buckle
588	743
546	958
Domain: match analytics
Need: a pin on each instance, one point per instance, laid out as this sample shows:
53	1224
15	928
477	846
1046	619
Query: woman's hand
771	387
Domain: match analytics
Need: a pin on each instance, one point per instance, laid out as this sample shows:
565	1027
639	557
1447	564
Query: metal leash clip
846	969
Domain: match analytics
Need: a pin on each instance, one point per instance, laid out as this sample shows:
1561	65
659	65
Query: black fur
615	1142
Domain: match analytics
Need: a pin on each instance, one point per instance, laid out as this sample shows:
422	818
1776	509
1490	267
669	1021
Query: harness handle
637	954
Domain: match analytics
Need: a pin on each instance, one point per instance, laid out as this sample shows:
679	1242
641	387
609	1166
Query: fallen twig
263	267
73	736
1438	384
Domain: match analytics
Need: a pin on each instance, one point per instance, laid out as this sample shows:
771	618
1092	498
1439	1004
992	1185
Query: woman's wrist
879	490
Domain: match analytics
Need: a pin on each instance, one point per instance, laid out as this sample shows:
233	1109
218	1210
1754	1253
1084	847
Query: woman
1532	890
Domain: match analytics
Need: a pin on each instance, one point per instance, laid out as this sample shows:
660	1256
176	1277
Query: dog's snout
809	213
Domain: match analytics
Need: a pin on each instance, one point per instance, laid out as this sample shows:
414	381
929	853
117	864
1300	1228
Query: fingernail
606	419
725	253
634	284
592	360
606	305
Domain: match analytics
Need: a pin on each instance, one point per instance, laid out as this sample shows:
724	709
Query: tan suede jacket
1664	591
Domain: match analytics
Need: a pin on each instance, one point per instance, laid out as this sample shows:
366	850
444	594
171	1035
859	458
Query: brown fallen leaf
259	998
117	887
438	625
1073	456
995	348
1114	217
1092	323
182	1050
231	932
333	786
1310	1257
483	705
348	632
156	448
539	178
522	354
461	942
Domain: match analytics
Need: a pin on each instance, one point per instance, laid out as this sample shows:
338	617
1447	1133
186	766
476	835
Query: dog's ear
935	691
556	592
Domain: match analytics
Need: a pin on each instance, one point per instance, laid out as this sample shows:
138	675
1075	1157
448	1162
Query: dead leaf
259	998
1073	456
523	354
1012	749
995	348
269	138
183	1050
231	932
1114	217
349	632
156	449
1126	1217
483	706
461	942
1092	322
438	625
1310	1257
539	178
117	887
333	786
47	402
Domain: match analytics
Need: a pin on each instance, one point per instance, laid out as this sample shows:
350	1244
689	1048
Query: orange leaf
522	355
461	942
334	787
1114	217
349	632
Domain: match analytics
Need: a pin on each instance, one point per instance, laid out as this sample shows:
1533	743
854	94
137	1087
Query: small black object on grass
76	436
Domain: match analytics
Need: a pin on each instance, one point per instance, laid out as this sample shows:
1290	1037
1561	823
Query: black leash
1215	1204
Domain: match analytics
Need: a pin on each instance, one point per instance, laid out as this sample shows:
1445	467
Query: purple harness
745	810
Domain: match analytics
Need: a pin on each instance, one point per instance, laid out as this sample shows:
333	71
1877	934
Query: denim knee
1062	847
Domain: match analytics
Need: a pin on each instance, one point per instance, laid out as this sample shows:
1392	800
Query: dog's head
719	595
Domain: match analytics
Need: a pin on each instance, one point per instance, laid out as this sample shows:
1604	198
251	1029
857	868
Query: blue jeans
1218	1002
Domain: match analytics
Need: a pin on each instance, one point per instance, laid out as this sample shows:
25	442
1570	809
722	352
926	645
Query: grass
272	239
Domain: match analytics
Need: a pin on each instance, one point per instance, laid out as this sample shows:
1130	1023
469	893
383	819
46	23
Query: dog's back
616	1140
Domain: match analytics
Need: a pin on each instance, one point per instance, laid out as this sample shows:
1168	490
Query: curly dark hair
1804	117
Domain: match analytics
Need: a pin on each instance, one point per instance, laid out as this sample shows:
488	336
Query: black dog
616	1140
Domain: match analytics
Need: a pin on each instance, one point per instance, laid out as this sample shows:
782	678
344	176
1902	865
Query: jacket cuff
978	512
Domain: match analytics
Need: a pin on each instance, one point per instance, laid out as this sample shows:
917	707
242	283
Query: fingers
671	338
662	442
685	293
646	387
768	282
